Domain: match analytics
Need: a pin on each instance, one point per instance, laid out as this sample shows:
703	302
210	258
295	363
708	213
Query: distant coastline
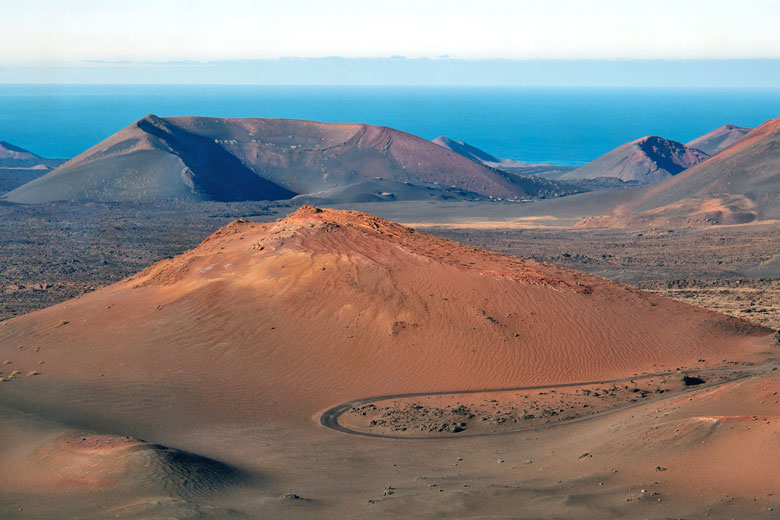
404	71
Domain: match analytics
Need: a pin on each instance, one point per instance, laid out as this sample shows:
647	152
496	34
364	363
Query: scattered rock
692	381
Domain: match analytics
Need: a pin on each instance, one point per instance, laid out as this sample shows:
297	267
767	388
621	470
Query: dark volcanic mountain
647	160
200	158
14	157
719	139
19	166
151	159
740	184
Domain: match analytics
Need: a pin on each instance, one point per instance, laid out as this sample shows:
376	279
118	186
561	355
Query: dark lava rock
456	427
692	381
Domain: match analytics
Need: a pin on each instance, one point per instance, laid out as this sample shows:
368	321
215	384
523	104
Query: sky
51	35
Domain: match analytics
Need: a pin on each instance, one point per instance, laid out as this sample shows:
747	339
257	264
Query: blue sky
63	40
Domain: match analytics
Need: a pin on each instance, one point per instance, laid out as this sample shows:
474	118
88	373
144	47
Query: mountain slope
277	321
647	160
740	184
150	160
200	158
719	139
309	156
466	150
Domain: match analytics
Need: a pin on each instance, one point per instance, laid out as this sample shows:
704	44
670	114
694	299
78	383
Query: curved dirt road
330	417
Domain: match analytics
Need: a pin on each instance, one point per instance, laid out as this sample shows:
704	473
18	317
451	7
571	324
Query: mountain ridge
739	185
200	158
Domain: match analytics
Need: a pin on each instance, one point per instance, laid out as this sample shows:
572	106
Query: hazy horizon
401	71
697	43
46	32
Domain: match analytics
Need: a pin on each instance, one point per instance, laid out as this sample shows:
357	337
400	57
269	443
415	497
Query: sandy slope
358	306
230	352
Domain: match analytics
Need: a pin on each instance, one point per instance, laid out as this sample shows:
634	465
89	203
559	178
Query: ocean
567	126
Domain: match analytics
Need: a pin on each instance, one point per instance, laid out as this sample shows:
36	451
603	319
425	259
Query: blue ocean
568	126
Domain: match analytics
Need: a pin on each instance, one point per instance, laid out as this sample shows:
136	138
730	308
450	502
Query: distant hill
198	158
719	139
151	159
544	170
19	166
14	157
647	160
741	184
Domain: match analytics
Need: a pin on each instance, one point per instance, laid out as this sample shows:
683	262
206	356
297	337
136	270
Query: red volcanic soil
79	463
282	319
73	462
231	352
